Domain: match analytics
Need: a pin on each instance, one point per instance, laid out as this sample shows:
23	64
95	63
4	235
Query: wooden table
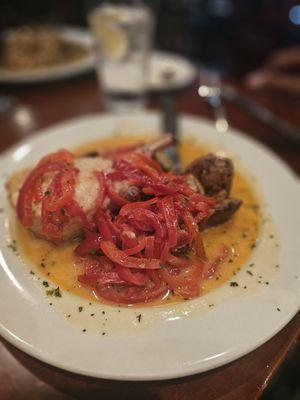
22	377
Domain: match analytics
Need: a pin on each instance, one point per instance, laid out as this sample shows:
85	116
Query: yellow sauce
57	263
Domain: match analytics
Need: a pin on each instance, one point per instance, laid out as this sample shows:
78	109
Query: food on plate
135	230
29	48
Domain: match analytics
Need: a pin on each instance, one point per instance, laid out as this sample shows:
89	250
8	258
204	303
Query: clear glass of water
122	31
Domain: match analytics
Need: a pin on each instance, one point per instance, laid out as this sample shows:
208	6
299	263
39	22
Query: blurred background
233	37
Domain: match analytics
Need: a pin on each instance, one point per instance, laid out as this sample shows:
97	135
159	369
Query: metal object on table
170	125
260	112
209	90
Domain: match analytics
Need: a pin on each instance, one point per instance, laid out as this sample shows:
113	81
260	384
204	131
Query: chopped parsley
13	246
45	283
234	284
139	317
249	272
80	308
57	292
45	263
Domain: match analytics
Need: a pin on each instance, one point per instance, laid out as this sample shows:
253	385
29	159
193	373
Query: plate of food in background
114	265
44	53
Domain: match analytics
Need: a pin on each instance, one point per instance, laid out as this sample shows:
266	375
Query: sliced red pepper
62	165
137	278
147	160
128	208
121	258
159	189
211	268
149	248
187	282
105	226
61	189
115	197
90	244
194	232
147	220
146	169
73	209
133	294
136	249
102	188
171	220
27	192
101	277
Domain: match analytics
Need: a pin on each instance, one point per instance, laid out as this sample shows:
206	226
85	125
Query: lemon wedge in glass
112	38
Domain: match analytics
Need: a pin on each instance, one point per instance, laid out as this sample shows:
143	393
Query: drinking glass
122	32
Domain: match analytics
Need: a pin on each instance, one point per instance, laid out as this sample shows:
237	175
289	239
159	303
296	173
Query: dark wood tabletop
22	377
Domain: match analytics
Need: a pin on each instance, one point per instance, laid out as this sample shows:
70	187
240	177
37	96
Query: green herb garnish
57	292
139	317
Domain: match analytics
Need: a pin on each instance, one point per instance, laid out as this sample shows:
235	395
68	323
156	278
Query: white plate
61	71
170	341
180	70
